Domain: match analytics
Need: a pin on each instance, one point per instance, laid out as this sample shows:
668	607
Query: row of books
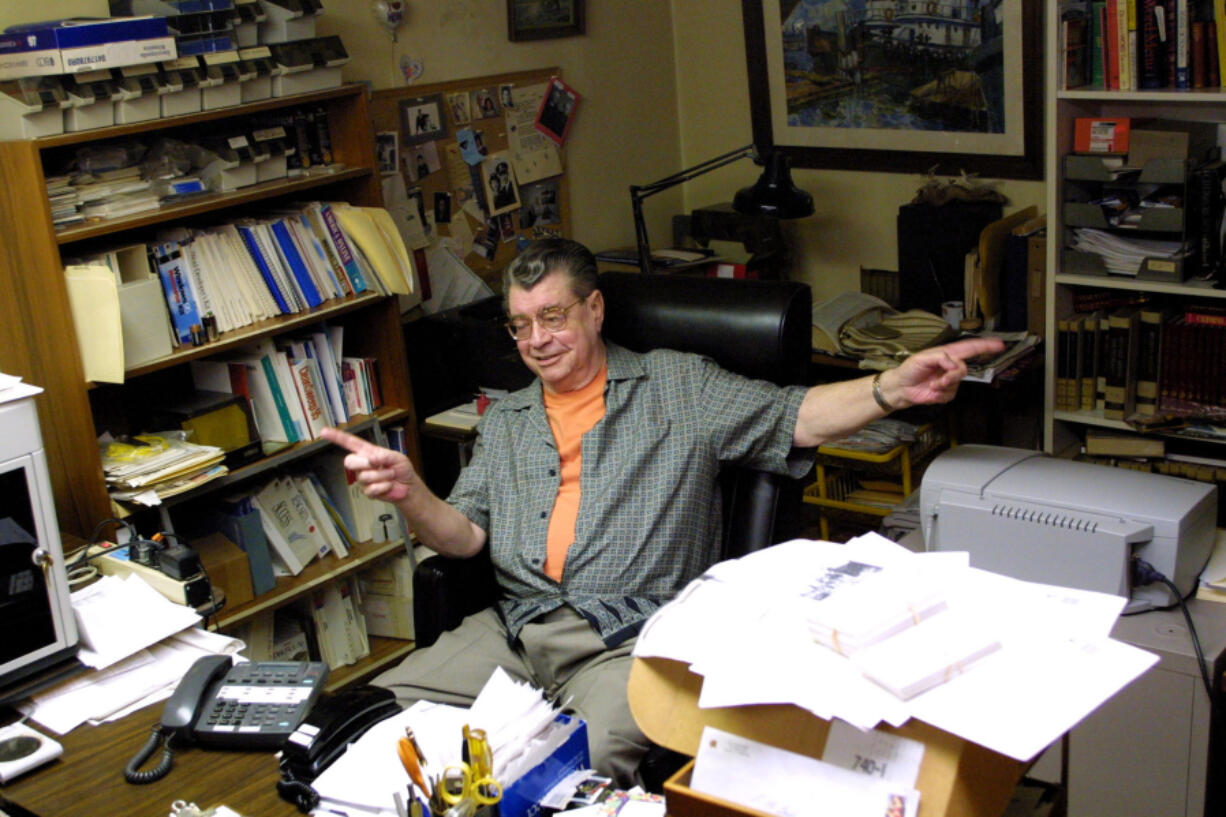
254	269
329	625
295	385
1142	44
293	519
1142	360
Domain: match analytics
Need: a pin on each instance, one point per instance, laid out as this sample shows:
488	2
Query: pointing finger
344	439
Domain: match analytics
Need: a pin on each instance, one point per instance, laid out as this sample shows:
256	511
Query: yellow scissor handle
459	784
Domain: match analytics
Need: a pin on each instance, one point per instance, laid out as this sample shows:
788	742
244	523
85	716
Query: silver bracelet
878	396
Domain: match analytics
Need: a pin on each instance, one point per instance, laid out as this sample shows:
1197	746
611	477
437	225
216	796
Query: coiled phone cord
132	773
299	792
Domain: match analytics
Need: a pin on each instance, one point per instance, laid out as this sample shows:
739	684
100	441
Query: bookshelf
38	337
1063	430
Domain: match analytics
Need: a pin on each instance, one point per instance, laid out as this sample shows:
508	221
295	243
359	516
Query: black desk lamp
773	194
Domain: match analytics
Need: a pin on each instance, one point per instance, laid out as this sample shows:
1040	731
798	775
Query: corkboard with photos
465	161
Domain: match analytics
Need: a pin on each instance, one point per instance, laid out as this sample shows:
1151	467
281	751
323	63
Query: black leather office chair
760	329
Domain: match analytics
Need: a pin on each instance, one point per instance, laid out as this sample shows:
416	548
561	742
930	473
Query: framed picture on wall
898	87
543	19
421	119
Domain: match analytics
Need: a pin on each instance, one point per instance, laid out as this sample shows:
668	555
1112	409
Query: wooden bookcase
1064	430
38	338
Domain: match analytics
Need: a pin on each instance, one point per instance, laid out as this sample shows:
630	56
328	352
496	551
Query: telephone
335	722
233	706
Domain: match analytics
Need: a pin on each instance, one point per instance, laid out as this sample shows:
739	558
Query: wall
627	126
854	224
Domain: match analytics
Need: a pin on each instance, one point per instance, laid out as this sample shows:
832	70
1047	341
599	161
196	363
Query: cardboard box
388	616
1108	135
523	797
956	777
71	46
226	566
1172	139
391	577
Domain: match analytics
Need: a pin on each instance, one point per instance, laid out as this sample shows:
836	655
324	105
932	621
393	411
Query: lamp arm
640	192
643	191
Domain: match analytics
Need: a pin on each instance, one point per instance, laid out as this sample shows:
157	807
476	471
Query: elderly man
594	489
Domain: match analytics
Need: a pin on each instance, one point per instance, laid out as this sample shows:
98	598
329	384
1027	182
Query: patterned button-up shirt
649	515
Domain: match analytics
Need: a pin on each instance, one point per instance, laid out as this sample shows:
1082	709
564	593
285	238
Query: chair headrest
759	329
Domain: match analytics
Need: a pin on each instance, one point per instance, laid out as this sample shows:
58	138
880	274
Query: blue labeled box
523	797
85	45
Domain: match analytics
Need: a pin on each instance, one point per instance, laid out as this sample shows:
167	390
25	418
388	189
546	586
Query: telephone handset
233	706
335	722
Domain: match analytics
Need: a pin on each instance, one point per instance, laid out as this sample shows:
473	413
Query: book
1206	185
1087	360
1121	389
310	395
1152	43
287	524
354	621
1074	48
1149	329
239	519
259	634
295	263
260	258
358	511
342	247
1219	39
1063	339
1100	360
323	520
1112	444
1098	15
180	299
1213	78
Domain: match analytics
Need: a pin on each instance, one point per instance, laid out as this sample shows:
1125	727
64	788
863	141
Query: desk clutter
156	58
969	734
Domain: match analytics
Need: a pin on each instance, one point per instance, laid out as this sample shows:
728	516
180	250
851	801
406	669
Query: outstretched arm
388	475
834	410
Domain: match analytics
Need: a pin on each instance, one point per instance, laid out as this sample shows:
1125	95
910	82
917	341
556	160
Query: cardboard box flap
957	778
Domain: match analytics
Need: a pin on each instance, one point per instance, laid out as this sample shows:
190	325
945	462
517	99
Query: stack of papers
1124	256
1055	661
151	467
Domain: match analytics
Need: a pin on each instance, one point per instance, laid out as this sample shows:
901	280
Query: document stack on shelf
1124	256
151	467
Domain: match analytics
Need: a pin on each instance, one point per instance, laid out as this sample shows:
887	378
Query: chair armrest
445	590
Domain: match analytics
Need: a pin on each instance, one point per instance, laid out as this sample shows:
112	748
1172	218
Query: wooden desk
87	780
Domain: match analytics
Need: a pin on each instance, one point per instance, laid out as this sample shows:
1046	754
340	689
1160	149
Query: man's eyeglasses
552	318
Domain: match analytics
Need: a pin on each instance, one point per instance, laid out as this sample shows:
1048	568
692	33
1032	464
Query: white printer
1042	519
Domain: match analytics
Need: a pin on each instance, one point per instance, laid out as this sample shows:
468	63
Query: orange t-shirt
571	415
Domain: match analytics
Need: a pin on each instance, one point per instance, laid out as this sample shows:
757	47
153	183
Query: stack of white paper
1053	645
927	654
855	614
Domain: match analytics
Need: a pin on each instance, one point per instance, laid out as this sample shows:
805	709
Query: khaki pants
558	653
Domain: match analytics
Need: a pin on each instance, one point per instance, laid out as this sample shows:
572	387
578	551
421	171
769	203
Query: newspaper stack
151	467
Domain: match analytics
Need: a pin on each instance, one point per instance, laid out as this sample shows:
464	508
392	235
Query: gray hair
548	255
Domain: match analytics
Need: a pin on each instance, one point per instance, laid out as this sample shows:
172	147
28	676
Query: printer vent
1044	517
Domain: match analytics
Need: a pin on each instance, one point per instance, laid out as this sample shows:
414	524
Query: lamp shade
774	194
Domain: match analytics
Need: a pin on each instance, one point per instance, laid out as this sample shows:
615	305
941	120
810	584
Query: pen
408	759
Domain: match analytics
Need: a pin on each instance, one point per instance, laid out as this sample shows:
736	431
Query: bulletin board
468	154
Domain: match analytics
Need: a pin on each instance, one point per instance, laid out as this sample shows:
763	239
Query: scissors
473	778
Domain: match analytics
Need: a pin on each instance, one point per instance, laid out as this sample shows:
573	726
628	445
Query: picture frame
421	119
542	20
501	191
887	95
557	111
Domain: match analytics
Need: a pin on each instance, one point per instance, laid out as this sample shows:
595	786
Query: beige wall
854	224
664	87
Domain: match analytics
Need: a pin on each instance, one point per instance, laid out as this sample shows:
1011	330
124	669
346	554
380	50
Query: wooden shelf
315	575
206	203
384	652
200	117
241	337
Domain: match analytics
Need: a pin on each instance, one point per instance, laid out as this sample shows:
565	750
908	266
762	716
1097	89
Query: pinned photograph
484	103
461	113
557	111
472	146
385	151
422	160
506	95
501	193
506	226
442	208
539	202
421	119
